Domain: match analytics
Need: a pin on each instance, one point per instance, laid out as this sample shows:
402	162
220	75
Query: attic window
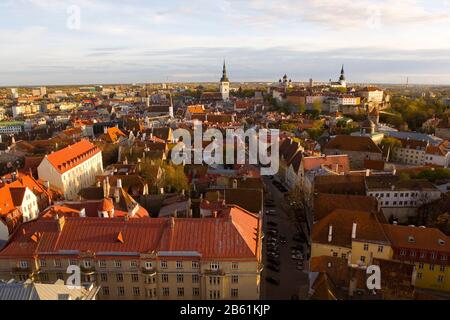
411	239
120	237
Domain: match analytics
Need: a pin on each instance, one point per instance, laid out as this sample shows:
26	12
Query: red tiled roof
222	238
70	157
342	161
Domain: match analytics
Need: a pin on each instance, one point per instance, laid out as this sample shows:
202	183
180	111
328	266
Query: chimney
214	214
105	130
330	233
119	183
47	185
106	187
83	213
161	191
367	172
354	230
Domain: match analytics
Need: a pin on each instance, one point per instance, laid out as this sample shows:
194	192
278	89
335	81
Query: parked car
273	268
273	281
275	262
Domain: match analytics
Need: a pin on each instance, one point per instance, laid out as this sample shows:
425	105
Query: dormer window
411	239
441	242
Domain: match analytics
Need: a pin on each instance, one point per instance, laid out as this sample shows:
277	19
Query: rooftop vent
411	239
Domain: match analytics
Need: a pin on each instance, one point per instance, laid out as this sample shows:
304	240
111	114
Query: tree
317	106
150	172
301	107
391	144
174	178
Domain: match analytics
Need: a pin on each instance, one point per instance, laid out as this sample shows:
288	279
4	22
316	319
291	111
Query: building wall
29	207
163	280
369	251
432	276
320	249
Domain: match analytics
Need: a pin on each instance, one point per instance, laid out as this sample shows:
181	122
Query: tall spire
342	78
224	73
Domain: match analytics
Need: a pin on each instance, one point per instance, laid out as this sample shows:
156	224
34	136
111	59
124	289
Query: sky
49	42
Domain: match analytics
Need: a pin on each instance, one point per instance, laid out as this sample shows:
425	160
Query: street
293	282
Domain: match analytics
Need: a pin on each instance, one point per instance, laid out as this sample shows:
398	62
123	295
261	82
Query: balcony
214	272
87	270
148	271
22	270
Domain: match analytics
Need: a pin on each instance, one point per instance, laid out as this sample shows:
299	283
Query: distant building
225	84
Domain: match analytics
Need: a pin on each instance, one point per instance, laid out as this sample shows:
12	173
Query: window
133	264
166	292
104	277
57	263
431	267
335	254
366	247
163	264
43	276
214	280
136	291
419	275
105	291
214	266
343	256
87	263
120	291
195	265
195	278
214	294
234	266
442	268
402	252
134	277
179	264
43	262
422	255
102	264
380	248
180	292
433	255
234	279
412	253
148	265
421	265
440	278
23	264
196	292
73	262
164	278
118	264
180	278
119	277
234	293
60	276
363	259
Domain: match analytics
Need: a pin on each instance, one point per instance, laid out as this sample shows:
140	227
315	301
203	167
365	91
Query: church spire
224	73
342	78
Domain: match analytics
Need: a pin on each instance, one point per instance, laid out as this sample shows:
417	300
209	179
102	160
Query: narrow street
293	282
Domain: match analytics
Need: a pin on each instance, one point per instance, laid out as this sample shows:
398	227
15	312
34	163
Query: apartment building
73	168
400	198
144	259
428	249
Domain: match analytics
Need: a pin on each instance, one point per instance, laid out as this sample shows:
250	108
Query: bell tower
225	84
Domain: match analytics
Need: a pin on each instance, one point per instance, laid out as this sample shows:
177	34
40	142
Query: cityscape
290	188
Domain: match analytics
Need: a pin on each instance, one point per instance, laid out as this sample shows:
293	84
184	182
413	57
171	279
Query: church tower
342	80
225	84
